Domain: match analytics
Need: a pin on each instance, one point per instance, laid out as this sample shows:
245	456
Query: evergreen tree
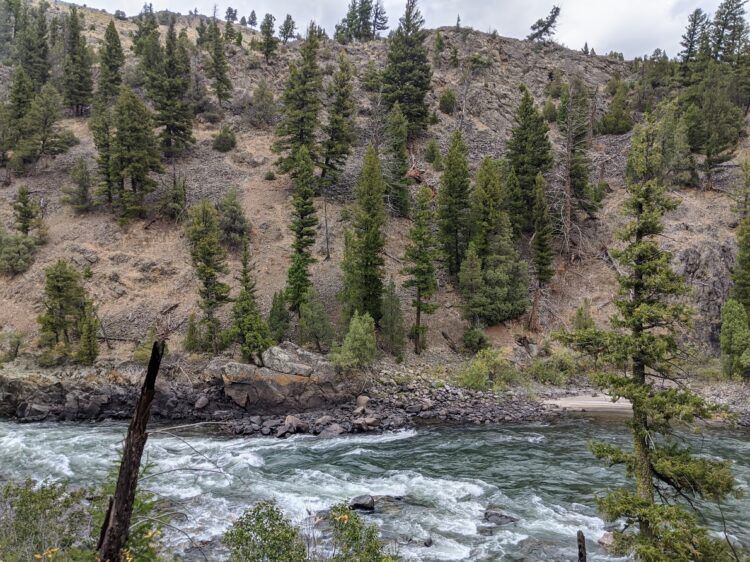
697	25
278	318
339	130
209	261
542	241
243	21
234	226
420	256
218	70
360	346
729	31
486	204
268	43
264	106
147	27
304	222
397	161
617	120
287	29
735	339
250	327
364	243
301	106
252	21
544	28
80	196
471	283
111	60
642	343
78	83
40	130
134	152
63	306
314	325
407	75
33	45
102	129
379	18
741	273
529	152
173	111
26	210
392	323
454	212
21	95
88	328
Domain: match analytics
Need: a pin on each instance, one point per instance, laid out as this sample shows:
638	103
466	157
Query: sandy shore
593	403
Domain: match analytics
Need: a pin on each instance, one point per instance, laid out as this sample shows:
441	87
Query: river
542	474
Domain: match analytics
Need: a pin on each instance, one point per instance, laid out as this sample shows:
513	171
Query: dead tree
116	526
581	547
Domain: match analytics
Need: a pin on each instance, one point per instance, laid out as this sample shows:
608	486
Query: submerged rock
498	517
363	503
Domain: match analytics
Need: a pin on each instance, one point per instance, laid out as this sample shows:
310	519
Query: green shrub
558	369
16	253
263	533
448	102
488	369
583	319
475	340
269	176
142	352
353	540
225	140
10	345
212	117
550	111
432	151
360	346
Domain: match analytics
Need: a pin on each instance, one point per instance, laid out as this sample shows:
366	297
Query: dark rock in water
498	517
363	503
428	542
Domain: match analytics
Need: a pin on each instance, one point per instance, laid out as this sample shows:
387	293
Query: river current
542	474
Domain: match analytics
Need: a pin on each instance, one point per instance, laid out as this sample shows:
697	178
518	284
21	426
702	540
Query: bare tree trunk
582	557
116	526
534	315
325	220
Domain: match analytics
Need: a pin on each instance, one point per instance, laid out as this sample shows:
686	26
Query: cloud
634	27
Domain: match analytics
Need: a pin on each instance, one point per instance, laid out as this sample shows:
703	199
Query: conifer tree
147	26
617	120
33	45
392	323
642	347
268	43
304	222
339	130
471	283
234	226
40	130
301	106
209	261
454	212
78	83
364	243
729	31
486	204
360	345
111	60
397	161
134	152
173	111
735	339
544	28
541	245
102	129
252	21
741	273
250	327
697	24
287	29
314	325
63	306
278	318
379	18
80	196
529	152
407	75
88	328
20	97
218	70
420	256
26	210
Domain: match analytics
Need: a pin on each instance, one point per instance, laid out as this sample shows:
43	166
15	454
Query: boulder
290	360
363	503
333	430
202	402
607	540
498	517
292	425
366	423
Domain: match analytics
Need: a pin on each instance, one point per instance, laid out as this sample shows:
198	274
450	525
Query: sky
633	27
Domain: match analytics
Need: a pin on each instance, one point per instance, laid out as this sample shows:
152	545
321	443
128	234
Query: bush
353	540
488	369
10	345
269	176
558	369
263	533
359	347
16	253
448	102
475	340
212	117
432	151
263	108
550	111
583	319
225	140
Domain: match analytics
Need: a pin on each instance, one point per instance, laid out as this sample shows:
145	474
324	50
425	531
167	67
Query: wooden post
116	526
581	547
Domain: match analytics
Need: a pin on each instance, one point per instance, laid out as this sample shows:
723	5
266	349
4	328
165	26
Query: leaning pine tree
641	349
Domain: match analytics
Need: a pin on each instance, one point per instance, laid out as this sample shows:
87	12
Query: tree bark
582	557
116	526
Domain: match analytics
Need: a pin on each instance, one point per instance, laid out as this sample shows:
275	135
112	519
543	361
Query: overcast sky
634	27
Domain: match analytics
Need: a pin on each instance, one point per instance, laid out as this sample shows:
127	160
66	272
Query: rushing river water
541	474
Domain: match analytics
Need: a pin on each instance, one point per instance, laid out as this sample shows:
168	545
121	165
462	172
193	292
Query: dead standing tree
116	526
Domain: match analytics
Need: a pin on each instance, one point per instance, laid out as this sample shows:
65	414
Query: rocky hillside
141	271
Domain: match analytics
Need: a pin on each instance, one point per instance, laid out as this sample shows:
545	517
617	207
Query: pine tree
379	18
544	28
339	130
264	106
88	328
218	70
80	196
252	21
287	29
304	221
407	75
250	327
529	152
102	129
397	161
454	213
26	210
234	226
542	241
471	283
78	83
420	256
301	106
735	339
697	25
643	342
111	60
729	31
269	43
364	243
209	261
64	305
741	272
147	26
134	152
173	111
40	130
278	318
360	346
33	46
20	98
314	325
486	204
392	323
243	21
